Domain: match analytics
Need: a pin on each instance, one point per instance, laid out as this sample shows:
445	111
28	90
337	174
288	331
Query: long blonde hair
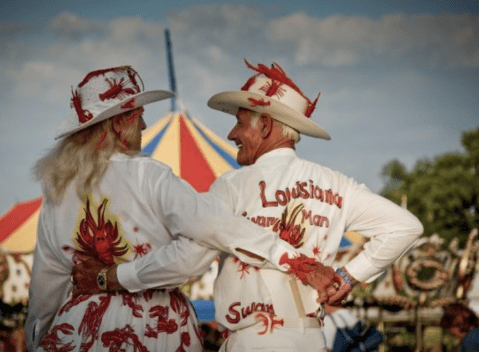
85	156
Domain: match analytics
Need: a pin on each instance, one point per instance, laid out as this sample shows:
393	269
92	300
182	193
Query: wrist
346	276
113	283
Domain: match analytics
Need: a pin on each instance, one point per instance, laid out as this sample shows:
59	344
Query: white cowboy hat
105	93
272	92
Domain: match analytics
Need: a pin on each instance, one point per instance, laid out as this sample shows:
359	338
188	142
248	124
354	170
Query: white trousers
280	340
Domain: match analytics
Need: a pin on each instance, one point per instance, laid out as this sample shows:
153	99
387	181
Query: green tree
442	193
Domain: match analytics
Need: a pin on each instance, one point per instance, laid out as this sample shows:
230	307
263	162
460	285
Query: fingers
339	298
84	258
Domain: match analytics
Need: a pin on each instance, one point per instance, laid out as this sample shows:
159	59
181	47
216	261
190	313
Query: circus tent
18	226
192	150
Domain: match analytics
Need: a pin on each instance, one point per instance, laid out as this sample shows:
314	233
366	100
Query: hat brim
229	102
71	124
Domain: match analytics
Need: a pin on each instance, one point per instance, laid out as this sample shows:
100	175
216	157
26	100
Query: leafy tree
443	193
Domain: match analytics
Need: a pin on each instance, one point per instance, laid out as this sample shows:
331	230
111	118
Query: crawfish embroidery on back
100	239
287	228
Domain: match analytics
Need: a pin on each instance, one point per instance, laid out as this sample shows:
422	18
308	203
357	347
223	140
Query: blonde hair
288	132
85	155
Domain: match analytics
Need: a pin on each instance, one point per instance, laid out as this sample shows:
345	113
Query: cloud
12	29
370	71
70	25
424	40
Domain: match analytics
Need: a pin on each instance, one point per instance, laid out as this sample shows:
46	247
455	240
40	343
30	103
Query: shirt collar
280	153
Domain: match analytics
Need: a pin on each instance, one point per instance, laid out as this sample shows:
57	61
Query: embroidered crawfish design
130	299
51	342
101	240
163	324
91	322
273	88
258	102
185	340
76	102
179	305
288	230
243	267
300	266
74	301
116	338
117	89
269	322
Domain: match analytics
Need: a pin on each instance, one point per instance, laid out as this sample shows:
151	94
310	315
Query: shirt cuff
126	274
361	268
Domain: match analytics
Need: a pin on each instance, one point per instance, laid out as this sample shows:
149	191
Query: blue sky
398	79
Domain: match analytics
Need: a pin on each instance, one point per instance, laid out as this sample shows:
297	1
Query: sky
399	80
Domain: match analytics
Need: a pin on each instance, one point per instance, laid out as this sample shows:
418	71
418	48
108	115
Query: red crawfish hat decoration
271	91
105	93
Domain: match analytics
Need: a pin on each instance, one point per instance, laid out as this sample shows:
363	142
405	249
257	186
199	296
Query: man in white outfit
308	205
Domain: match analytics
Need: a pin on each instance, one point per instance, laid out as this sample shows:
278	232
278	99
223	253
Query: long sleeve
203	225
49	287
392	231
170	266
207	220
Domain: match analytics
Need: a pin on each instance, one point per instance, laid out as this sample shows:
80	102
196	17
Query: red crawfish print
129	299
288	230
258	102
91	321
179	305
273	88
163	325
269	322
243	267
76	102
118	90
101	240
185	340
299	266
72	302
52	343
116	338
141	249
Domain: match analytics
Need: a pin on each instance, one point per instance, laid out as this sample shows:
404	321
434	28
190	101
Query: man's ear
266	125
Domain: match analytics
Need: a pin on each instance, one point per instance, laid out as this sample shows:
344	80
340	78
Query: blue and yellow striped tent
193	151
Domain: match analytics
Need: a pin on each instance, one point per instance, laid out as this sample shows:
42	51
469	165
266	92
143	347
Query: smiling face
248	138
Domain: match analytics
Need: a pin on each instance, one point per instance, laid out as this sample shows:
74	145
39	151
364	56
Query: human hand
85	273
346	285
325	280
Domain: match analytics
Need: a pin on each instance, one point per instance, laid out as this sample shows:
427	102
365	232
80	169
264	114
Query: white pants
281	340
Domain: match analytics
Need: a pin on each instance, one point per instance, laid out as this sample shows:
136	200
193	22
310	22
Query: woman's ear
116	124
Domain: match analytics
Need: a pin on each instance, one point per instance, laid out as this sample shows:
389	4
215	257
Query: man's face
247	138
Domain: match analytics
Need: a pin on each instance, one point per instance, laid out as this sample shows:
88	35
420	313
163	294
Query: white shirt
327	204
151	208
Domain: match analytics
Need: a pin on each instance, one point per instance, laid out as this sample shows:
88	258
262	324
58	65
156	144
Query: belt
301	323
268	325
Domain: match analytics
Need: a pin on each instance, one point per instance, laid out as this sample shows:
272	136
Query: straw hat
270	91
105	93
